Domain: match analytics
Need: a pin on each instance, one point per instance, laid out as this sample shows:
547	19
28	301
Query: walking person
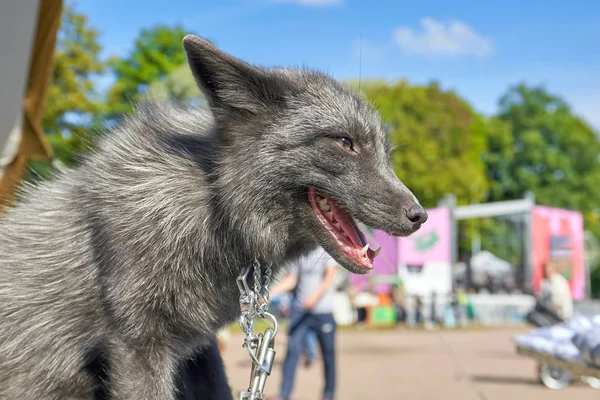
311	281
557	286
309	350
399	301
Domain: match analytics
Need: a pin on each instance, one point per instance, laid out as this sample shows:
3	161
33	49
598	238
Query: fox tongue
347	225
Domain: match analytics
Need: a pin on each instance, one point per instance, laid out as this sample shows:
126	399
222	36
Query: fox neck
258	209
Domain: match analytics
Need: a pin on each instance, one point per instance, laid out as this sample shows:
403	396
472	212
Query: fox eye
345	143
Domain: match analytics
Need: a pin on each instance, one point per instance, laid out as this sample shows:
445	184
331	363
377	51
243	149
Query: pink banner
430	243
386	262
558	236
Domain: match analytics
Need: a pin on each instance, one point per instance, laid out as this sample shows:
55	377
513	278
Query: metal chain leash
254	303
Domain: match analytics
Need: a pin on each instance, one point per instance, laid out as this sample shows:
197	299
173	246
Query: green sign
426	241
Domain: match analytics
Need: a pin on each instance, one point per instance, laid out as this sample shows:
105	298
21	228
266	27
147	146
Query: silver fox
120	271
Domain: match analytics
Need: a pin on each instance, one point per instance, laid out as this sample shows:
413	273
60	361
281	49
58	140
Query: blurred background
494	111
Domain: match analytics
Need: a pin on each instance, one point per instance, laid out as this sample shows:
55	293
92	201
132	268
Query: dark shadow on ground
504	380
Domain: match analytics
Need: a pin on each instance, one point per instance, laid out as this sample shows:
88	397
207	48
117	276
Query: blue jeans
310	346
323	326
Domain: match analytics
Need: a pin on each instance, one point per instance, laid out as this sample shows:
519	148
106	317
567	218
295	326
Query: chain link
254	302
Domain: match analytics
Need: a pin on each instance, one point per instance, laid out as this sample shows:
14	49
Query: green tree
499	157
438	140
179	86
72	105
157	52
549	151
554	154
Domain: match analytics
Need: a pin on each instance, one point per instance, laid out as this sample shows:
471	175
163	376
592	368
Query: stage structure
424	261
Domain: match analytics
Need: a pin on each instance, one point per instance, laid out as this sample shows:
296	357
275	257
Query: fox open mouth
348	237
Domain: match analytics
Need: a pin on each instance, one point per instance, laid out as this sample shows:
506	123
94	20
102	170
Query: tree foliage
157	52
179	87
548	150
438	137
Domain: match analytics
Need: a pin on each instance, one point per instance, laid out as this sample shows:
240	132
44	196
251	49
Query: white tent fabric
486	262
11	145
17	29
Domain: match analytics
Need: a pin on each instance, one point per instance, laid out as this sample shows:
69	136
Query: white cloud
439	39
313	3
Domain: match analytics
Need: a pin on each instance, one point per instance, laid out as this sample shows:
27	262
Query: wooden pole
33	144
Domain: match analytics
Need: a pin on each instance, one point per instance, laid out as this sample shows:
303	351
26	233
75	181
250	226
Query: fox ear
228	83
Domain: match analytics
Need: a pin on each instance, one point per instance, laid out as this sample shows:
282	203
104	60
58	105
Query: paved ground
409	365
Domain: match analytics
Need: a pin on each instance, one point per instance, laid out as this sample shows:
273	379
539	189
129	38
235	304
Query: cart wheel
553	377
591	381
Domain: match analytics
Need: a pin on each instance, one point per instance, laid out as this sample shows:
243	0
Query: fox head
300	157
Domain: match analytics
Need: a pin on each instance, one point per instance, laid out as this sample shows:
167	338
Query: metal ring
270	316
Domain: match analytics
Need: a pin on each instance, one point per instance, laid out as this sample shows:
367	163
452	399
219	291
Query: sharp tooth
363	251
323	204
329	214
338	226
377	252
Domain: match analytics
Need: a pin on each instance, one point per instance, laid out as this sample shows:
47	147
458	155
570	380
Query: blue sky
473	47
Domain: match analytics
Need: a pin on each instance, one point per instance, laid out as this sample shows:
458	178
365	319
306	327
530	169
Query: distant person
470	309
461	300
309	350
399	300
433	311
418	310
490	283
311	281
308	354
557	287
454	305
362	301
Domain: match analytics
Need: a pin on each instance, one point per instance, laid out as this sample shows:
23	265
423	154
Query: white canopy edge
17	29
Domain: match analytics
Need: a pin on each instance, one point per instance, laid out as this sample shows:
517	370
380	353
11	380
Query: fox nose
416	214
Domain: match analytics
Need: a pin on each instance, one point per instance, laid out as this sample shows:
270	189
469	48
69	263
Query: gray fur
133	255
